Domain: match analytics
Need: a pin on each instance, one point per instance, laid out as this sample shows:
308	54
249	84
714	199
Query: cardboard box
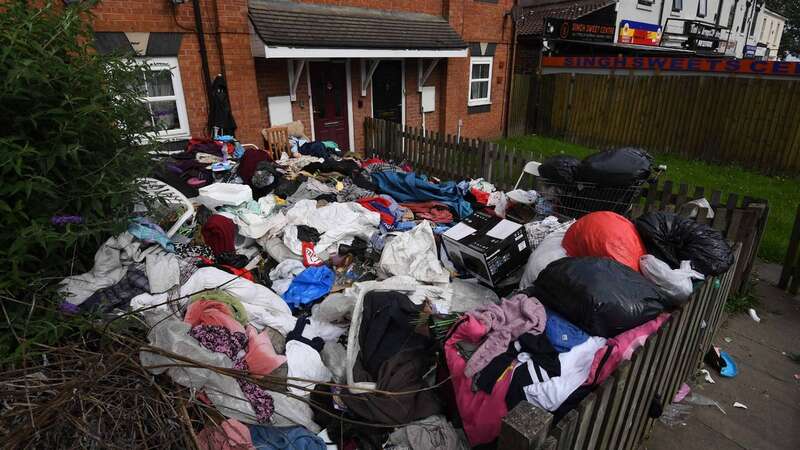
488	247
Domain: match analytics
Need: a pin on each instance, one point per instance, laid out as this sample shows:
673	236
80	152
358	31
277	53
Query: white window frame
480	60
180	101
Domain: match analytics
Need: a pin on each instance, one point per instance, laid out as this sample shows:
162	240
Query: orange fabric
605	234
261	356
207	312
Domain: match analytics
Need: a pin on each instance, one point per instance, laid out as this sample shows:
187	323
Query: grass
783	193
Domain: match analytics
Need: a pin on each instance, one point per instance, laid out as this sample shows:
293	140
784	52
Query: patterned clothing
233	345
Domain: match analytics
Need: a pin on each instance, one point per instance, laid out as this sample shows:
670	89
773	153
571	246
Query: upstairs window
677	5
480	76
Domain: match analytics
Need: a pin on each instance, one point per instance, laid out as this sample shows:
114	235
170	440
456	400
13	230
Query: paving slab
766	382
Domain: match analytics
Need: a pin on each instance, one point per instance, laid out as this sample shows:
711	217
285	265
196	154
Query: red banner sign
658	63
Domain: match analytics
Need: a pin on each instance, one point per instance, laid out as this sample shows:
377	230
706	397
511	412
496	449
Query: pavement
766	383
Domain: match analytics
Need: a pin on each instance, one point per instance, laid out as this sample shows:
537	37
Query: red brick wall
420	6
227	42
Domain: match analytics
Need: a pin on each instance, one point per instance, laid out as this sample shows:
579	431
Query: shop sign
658	63
639	33
577	30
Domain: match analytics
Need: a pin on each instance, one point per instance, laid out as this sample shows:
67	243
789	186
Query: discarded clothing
414	253
345	167
304	363
481	413
148	232
229	435
172	335
264	307
436	212
620	348
548	250
433	432
338	222
505	323
285	438
221	340
206	312
219	233
250	162
261	357
575	365
561	333
283	274
309	285
402	372
119	295
411	187
237	309
163	271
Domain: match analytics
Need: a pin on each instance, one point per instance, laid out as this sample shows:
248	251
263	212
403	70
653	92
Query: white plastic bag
548	251
413	253
219	194
676	284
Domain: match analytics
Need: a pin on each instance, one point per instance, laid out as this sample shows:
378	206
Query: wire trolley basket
580	198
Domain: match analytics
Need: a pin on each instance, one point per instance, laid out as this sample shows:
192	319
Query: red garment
229	435
436	212
480	196
219	233
249	162
310	257
367	162
481	413
208	312
605	234
381	208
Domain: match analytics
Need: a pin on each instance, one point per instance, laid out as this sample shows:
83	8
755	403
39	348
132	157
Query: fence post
525	428
791	265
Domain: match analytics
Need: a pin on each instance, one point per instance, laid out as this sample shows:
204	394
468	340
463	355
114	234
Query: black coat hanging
219	111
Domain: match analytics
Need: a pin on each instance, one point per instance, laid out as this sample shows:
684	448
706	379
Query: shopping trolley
577	199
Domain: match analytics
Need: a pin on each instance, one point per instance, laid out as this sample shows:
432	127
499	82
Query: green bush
71	144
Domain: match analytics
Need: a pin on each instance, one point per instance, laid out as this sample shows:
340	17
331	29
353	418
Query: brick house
327	63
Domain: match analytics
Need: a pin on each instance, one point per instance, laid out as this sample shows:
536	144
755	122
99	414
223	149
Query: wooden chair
277	139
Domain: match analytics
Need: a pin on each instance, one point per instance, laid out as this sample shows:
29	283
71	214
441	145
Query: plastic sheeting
337	223
676	284
309	285
413	253
672	239
600	295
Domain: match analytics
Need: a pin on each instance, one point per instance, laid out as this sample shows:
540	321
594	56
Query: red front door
329	96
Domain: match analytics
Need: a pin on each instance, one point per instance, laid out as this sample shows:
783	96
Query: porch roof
531	21
299	30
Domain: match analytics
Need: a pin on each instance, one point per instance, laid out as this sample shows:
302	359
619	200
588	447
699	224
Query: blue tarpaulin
410	187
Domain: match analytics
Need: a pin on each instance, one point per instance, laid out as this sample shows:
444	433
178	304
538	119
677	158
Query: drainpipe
661	14
201	40
510	76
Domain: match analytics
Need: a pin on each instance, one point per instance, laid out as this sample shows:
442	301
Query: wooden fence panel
747	121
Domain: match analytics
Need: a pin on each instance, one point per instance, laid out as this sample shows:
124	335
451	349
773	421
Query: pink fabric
507	321
620	348
229	435
261	357
481	413
207	312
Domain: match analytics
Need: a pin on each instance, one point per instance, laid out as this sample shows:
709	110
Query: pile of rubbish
321	300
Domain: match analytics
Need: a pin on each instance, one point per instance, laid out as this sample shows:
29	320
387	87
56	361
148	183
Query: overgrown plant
72	145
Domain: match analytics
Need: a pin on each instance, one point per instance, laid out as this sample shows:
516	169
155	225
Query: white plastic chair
171	195
531	168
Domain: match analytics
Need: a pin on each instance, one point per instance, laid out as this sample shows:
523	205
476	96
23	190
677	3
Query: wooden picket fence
616	414
740	218
790	274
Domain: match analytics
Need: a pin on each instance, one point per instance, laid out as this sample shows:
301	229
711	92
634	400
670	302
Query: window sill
477	109
643	7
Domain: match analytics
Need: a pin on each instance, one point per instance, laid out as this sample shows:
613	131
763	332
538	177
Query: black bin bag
560	168
672	239
616	168
600	295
